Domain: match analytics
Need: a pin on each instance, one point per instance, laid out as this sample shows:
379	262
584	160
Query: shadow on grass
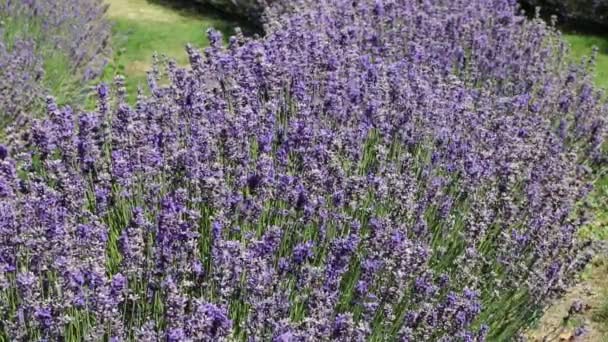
226	22
570	26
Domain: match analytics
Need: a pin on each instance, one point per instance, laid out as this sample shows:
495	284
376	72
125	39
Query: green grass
144	27
598	230
582	45
136	42
600	315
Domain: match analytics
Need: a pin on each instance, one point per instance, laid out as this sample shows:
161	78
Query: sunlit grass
142	28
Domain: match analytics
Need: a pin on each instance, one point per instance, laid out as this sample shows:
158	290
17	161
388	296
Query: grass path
142	27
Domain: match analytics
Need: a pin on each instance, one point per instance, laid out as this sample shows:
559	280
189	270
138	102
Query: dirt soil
592	292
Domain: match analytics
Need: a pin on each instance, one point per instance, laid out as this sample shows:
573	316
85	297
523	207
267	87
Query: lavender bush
370	170
48	46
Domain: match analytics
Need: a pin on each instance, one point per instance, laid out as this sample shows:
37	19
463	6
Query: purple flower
176	335
44	316
303	252
3	152
285	337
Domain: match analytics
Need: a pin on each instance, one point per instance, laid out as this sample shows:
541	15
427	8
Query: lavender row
48	47
367	171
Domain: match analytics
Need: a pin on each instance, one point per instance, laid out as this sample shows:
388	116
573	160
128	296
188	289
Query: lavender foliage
371	170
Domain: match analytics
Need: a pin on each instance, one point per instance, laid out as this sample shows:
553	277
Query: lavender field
368	170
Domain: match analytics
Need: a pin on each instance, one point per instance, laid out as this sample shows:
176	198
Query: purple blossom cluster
370	170
32	32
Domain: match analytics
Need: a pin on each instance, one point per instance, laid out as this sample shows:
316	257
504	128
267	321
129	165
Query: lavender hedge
48	47
370	170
